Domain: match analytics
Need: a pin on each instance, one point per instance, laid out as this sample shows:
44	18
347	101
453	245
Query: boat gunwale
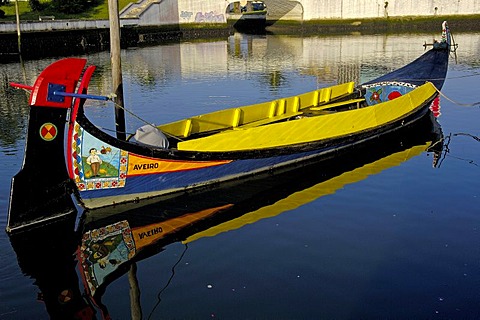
327	152
175	154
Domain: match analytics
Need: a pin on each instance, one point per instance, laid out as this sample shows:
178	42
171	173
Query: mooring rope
446	148
131	113
475	74
456	102
141	119
159	299
468	135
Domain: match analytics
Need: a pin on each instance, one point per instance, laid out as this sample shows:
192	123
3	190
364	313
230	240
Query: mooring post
17	15
115	57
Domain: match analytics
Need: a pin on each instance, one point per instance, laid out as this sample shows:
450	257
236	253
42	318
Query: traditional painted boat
204	150
106	245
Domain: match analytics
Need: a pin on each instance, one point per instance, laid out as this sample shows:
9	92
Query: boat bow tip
64	75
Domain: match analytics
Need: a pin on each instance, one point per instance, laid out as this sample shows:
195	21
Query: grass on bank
99	12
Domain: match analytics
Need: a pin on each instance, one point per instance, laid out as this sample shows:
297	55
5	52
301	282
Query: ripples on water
400	243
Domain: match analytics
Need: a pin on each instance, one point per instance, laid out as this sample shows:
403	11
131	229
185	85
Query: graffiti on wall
186	15
209	17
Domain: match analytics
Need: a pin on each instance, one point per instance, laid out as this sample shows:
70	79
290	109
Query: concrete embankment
51	42
457	24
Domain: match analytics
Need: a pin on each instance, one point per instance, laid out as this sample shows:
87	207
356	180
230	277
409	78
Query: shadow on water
107	243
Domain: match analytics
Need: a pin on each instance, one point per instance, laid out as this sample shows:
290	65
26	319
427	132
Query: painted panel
97	165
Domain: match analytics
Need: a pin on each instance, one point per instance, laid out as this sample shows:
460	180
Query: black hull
40	191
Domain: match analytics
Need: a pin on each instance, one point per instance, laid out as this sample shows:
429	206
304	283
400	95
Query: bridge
175	12
158	12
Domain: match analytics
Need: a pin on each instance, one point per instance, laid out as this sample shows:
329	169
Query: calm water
363	237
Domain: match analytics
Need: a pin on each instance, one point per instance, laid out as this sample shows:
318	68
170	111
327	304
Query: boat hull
146	177
205	150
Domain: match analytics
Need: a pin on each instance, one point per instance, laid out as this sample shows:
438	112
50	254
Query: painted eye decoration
394	95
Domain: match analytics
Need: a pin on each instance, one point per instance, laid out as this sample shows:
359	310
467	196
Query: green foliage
92	9
73	6
69	6
9	9
35	5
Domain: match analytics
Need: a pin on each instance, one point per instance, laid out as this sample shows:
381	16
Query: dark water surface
378	234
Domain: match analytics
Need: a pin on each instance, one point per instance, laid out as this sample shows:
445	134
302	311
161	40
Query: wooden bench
267	120
338	104
41	18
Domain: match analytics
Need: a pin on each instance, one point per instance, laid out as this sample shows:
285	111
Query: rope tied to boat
112	95
467	135
474	104
445	148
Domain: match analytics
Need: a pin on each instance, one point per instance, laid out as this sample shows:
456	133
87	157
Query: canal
392	231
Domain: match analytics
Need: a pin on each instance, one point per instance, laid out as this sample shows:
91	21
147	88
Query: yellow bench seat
338	104
268	120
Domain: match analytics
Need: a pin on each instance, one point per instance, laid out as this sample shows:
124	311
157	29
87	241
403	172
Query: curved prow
82	90
446	36
446	42
41	190
62	75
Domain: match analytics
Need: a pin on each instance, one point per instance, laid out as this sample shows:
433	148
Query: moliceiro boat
68	159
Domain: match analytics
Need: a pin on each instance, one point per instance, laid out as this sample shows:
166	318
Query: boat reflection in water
106	244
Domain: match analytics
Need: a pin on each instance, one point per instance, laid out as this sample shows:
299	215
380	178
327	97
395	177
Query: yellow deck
257	114
246	129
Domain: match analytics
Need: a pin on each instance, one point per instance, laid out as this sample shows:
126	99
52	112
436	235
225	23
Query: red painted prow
62	74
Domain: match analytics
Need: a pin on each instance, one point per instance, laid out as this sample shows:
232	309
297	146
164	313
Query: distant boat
205	150
249	18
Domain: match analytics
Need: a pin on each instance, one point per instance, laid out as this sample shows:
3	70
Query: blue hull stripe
181	179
